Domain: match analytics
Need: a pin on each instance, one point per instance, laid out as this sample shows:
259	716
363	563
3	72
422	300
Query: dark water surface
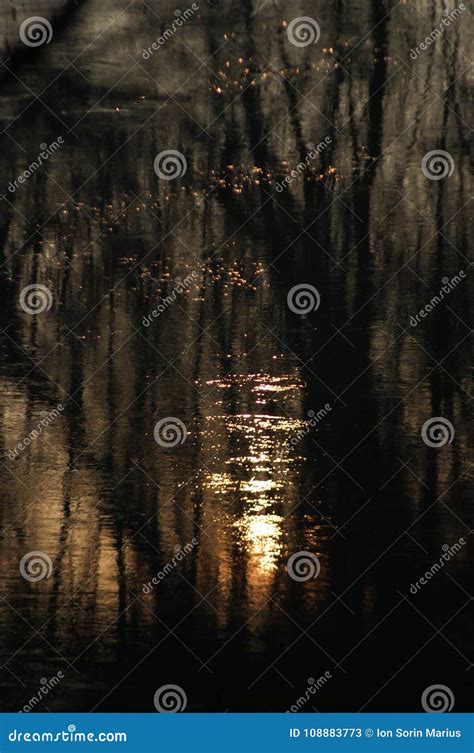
231	360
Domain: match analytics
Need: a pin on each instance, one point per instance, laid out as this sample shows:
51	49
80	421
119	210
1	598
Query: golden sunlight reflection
256	477
261	536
